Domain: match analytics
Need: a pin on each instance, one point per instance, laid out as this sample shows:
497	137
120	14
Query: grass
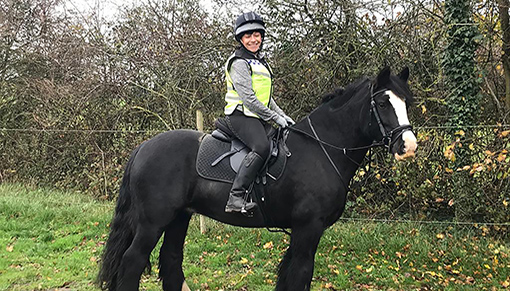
49	239
52	240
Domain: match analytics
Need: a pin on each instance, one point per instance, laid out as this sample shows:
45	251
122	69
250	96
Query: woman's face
252	41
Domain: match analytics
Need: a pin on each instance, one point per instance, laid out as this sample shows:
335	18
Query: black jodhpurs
251	131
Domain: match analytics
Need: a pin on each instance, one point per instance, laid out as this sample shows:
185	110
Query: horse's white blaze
410	141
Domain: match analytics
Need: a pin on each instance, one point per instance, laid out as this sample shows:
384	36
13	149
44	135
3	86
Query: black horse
161	188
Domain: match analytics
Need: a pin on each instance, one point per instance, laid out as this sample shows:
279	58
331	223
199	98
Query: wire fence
80	130
488	126
373	220
467	223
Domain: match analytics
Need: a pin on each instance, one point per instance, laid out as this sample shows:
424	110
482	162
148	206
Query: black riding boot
246	175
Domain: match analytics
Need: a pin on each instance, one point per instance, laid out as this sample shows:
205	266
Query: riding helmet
249	21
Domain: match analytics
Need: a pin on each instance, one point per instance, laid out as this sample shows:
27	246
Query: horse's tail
122	231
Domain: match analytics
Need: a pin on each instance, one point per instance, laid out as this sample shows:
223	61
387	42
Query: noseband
389	137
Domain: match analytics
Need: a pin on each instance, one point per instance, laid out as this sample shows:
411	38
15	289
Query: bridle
389	137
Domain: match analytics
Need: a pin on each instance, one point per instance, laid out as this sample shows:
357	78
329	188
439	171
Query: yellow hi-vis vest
261	83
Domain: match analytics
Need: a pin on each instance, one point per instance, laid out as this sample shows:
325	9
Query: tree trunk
503	6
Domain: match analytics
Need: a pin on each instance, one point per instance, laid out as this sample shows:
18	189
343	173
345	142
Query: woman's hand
289	120
281	121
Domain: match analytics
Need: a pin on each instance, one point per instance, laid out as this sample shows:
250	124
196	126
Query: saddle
221	153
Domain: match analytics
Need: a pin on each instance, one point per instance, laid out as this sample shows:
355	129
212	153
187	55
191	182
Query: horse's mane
342	95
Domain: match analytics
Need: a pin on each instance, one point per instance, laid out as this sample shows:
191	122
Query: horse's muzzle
409	148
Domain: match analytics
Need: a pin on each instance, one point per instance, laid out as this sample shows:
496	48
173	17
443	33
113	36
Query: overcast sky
108	8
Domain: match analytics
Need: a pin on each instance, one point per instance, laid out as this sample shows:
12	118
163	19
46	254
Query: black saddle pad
212	148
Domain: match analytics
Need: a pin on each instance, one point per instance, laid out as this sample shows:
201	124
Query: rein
317	139
327	155
373	109
389	138
322	143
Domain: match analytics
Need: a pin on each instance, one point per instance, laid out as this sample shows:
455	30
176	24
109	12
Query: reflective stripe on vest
261	83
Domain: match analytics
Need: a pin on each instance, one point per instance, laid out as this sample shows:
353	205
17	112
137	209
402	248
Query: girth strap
259	193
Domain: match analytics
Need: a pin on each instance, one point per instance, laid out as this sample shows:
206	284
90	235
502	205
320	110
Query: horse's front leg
296	269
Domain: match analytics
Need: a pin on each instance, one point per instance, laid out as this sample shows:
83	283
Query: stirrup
243	209
246	212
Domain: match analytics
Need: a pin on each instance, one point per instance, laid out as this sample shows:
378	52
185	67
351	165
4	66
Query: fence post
184	285
200	127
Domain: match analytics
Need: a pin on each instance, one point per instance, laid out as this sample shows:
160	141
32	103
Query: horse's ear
404	75
383	77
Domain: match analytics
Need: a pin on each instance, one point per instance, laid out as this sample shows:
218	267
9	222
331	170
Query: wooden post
200	127
184	285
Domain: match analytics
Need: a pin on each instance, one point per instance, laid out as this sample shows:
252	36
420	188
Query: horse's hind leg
136	258
171	253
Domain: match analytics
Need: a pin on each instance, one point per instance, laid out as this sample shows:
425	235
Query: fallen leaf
504	133
505	283
9	249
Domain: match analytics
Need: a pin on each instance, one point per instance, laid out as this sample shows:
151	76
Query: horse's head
390	98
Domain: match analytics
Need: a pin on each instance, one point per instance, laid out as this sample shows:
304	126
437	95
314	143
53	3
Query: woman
250	105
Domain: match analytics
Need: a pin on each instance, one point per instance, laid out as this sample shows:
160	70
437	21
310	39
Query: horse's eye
381	104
